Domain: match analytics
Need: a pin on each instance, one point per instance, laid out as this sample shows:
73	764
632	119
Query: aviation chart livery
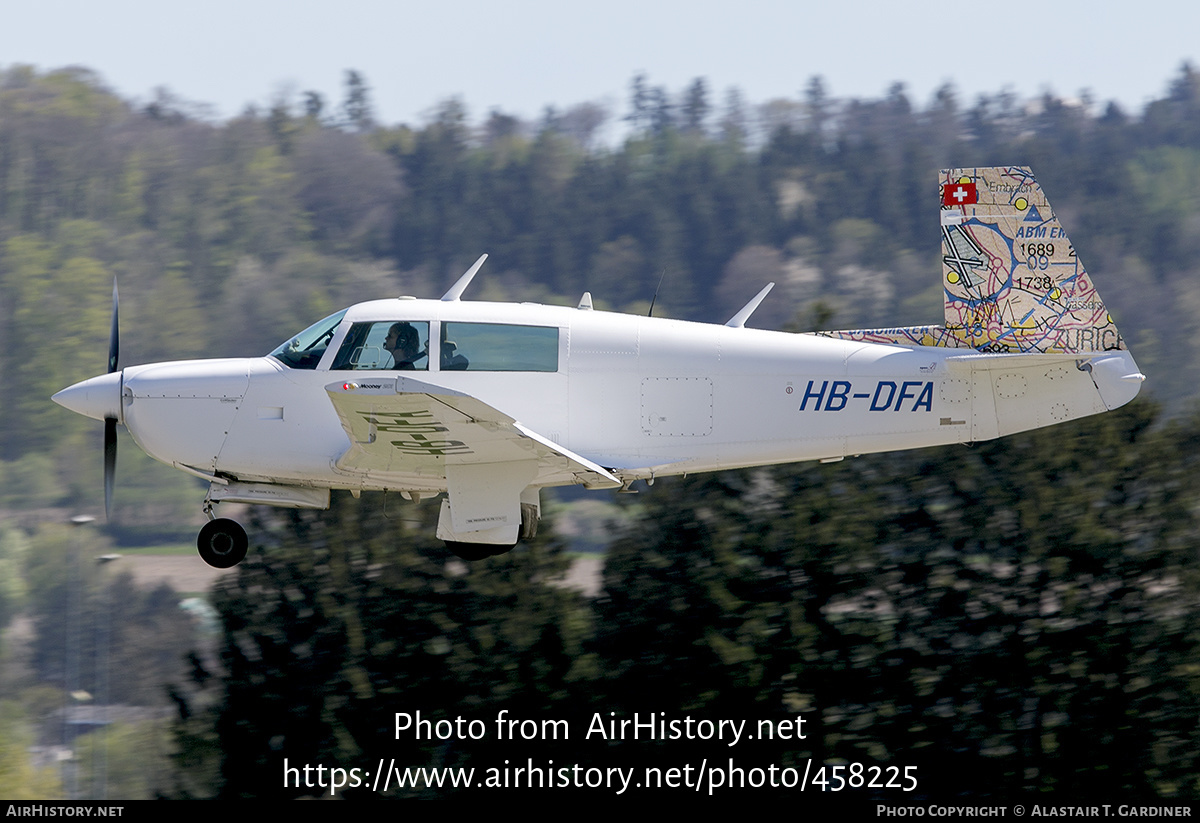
489	403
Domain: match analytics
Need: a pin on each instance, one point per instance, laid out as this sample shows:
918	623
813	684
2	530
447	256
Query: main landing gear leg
222	542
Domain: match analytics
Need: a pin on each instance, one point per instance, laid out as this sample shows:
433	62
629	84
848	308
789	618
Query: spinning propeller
100	399
110	422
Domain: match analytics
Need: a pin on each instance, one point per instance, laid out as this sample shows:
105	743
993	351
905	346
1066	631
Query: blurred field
184	574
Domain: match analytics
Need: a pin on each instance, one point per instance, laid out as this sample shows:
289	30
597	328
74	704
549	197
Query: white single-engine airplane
491	402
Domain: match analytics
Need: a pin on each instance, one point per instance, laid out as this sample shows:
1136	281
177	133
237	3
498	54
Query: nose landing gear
222	542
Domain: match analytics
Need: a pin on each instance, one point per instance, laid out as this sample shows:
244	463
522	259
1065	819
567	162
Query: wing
411	429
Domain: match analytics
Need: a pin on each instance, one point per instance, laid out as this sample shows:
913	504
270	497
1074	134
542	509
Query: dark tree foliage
337	622
357	106
1016	617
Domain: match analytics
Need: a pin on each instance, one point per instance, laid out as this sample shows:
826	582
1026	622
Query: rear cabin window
498	347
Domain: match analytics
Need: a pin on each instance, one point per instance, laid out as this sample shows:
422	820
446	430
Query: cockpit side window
304	351
401	345
498	347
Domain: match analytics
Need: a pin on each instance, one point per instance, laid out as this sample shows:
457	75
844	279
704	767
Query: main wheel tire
222	543
477	551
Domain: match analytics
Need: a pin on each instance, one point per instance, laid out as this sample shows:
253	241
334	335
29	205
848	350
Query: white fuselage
639	396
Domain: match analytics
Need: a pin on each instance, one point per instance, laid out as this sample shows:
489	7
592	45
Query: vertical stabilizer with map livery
1031	342
1012	280
1017	293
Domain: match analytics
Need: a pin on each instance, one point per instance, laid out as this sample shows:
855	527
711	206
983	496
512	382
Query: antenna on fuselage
739	319
656	288
461	286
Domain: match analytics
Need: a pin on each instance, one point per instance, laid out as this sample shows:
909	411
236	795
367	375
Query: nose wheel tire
222	543
477	551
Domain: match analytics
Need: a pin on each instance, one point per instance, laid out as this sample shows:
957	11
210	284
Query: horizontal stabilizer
990	361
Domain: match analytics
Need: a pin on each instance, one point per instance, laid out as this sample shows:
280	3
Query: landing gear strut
222	543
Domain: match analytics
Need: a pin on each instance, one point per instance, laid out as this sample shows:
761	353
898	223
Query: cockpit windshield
305	349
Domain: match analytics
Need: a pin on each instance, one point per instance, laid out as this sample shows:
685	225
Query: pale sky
523	55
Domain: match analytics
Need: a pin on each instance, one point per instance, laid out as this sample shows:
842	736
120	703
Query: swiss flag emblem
959	194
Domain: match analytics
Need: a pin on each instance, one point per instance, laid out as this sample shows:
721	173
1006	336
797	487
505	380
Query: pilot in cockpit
404	344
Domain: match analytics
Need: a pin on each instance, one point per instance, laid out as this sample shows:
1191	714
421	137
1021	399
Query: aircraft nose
99	397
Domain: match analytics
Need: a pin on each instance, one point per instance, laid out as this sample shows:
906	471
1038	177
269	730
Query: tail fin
1012	280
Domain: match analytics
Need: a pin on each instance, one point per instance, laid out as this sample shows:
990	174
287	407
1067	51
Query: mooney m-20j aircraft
491	402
